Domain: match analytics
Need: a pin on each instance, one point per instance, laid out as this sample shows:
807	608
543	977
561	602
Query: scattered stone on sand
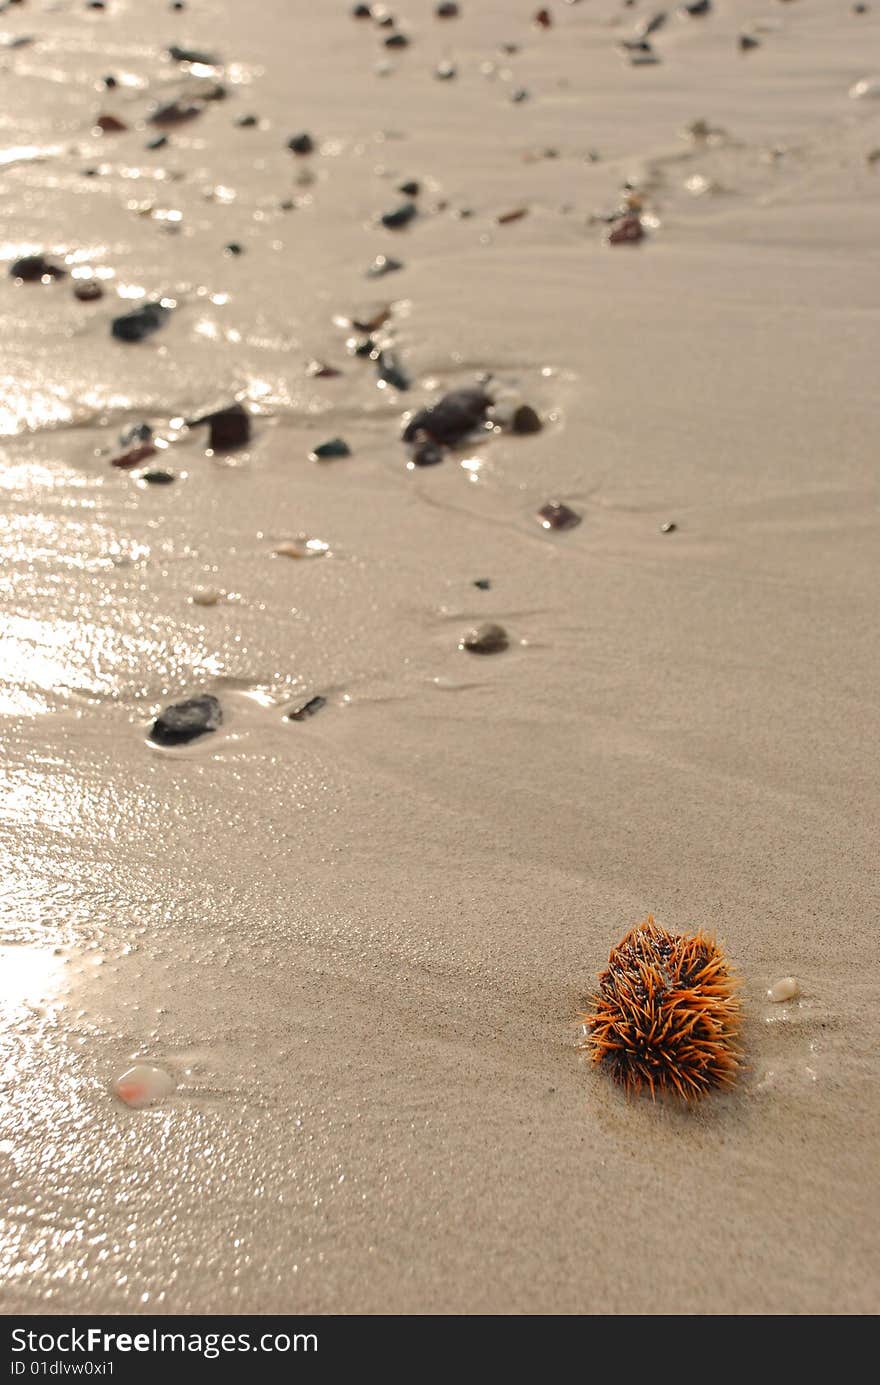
206	596
627	230
320	370
390	371
306	709
382	265
36	269
227	428
695	9
369	318
302	547
180	54
451	419
362	12
184	721
644	58
487	638
401	216
556	515
139	323
88	290
157	476
301	143
867	87
520	94
426	454
634	45
650	26
517	214
361	346
234	248
525	420
411	188
383	17
669	527
157	142
786	988
543	19
447	10
247	122
397	41
747	42
143	1085
326	451
176	112
483	583
134	456
135	433
445	71
110	124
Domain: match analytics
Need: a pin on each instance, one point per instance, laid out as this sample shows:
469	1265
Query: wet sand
359	942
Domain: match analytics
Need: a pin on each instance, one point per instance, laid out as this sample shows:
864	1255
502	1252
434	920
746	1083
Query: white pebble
206	596
143	1084
302	547
785	989
868	86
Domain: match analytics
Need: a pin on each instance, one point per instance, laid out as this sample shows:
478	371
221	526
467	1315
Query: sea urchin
666	1017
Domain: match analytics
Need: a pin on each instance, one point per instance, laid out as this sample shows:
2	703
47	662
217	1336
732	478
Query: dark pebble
627	231
410	188
448	10
401	216
135	433
642	59
157	142
308	709
747	43
384	19
158	478
227	428
361	346
32	268
397	41
362	12
88	291
246	122
483	583
371	319
383	264
183	721
669	527
301	143
234	248
543	19
519	95
110	124
139	323
134	457
110	81
635	45
336	447
650	26
525	420
180	54
451	419
485	639
427	454
319	370
391	372
697	8
555	515
174	113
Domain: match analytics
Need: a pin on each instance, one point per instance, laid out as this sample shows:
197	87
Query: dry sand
360	942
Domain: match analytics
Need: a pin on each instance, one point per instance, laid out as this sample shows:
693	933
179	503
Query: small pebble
696	9
556	515
488	638
525	420
650	26
336	447
134	457
516	215
32	269
157	142
362	12
867	87
205	596
174	113
785	989
447	10
382	265
400	217
747	42
109	82
301	144
234	248
247	122
319	370
158	477
227	428
180	54
627	231
543	19
184	721
483	583
370	319
669	527
397	41
410	188
445	71
135	433
142	1085
451	419
88	290
521	94
139	323
427	454
391	372
302	547
308	709
110	124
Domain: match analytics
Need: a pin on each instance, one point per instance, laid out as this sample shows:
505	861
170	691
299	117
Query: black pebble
33	268
302	143
192	55
88	291
698	7
650	26
362	12
747	42
485	639
228	428
233	248
451	418
157	477
483	583
361	346
396	41
139	323
336	447
134	434
109	81
157	142
520	95
401	216
525	420
556	515
427	454
308	709
410	188
391	372
183	721
245	122
447	10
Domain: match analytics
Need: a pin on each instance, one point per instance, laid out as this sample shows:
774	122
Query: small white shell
786	988
868	86
205	596
143	1084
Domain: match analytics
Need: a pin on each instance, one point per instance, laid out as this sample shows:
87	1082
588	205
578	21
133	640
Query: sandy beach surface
359	942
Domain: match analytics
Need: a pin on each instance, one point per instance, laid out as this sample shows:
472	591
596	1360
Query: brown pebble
134	457
488	638
110	124
669	527
88	291
543	19
517	215
319	370
556	515
525	420
627	231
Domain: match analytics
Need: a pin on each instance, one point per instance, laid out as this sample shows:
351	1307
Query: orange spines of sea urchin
666	1016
